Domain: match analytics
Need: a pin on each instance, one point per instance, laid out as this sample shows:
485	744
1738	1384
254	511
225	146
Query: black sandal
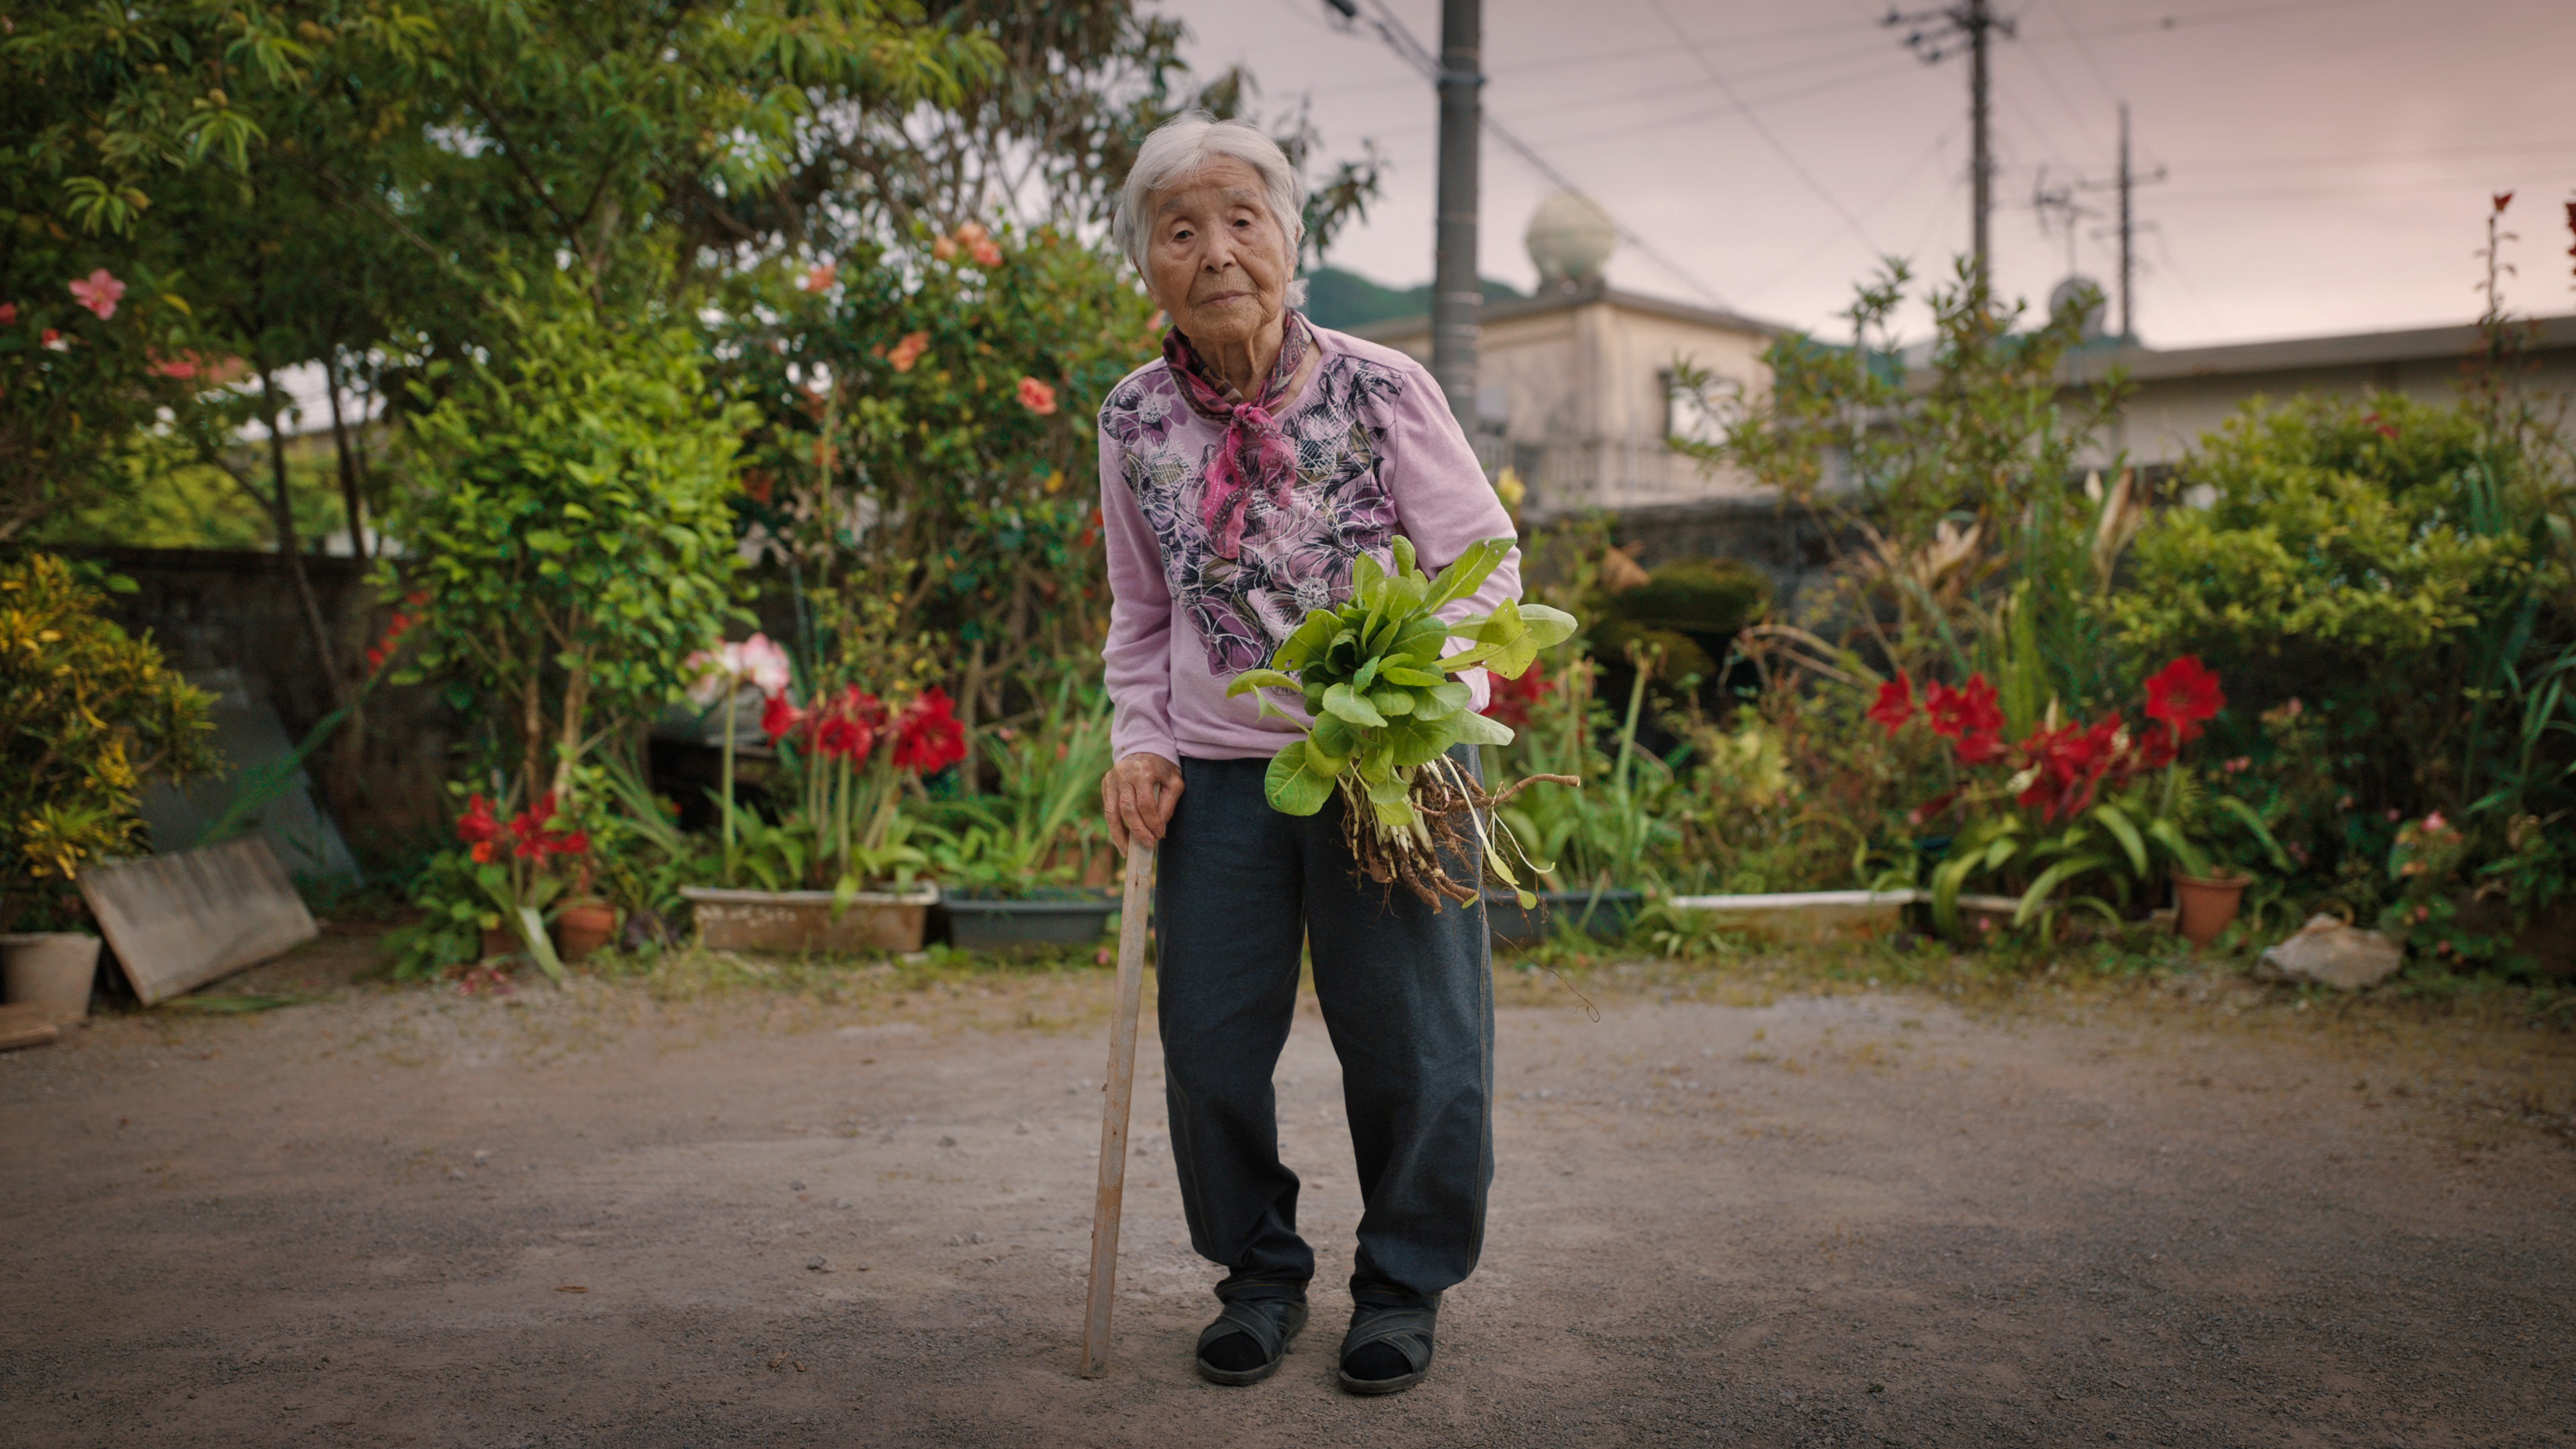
1271	1324
1406	1328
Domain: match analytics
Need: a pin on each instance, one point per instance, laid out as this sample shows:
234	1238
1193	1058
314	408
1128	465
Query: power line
1935	35
1628	130
1392	31
1699	87
1754	119
1808	254
2198	18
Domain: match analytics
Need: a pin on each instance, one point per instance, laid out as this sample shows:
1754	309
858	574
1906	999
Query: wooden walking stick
1120	1090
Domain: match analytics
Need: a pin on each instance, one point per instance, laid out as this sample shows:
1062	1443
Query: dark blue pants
1407	997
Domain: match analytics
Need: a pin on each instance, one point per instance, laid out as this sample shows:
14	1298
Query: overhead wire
1628	130
1810	253
1391	29
1760	128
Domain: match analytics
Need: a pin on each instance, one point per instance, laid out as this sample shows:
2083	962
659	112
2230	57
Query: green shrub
87	715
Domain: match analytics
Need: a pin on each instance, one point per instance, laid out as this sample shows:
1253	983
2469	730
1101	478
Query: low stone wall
381	776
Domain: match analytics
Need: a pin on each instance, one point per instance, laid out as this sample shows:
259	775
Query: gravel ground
599	1218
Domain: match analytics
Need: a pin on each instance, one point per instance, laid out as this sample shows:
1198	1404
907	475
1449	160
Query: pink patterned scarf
1254	453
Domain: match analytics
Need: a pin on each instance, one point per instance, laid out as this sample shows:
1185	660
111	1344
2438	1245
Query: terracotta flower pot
499	941
2203	908
49	970
584	927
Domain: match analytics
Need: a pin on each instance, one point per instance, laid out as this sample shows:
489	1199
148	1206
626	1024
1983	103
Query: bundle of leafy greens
1387	709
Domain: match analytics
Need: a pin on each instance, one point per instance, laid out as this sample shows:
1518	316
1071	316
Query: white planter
1809	915
734	920
51	970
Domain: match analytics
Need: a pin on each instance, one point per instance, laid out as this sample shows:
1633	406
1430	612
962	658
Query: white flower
763	664
715	673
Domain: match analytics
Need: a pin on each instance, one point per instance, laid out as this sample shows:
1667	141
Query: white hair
1184	143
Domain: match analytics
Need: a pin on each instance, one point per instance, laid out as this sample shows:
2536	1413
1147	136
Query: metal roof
2299	354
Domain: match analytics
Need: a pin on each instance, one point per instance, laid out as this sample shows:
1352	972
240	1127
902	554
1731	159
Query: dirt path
406	1217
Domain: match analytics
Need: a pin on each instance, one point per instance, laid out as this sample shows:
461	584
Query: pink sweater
1377	454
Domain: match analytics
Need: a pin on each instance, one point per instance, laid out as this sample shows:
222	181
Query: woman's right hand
1137	796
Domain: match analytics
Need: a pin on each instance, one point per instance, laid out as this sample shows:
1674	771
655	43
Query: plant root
1454	821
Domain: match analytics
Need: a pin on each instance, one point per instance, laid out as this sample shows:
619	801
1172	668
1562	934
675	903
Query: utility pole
1457	295
1935	35
2126	182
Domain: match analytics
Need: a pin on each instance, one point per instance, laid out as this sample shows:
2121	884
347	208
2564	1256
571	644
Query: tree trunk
282	507
350	501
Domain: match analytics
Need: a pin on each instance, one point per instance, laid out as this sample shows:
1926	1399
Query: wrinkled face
1218	262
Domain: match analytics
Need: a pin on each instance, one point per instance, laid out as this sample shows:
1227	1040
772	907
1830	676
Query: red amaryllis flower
928	738
2073	761
2184	694
1958	714
1895	703
1513	699
778	717
847	728
477	824
1980	747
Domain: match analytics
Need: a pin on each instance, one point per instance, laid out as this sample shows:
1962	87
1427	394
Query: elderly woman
1242	475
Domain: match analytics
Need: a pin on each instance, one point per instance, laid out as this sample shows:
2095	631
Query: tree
569	527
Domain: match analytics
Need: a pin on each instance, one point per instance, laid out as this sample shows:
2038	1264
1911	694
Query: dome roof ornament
1570	238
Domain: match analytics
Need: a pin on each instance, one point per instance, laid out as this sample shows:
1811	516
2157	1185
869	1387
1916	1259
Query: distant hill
1343	300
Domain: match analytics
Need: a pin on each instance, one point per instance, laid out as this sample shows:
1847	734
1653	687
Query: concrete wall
1583	403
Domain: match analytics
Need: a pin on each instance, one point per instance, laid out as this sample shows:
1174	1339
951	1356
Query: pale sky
2329	162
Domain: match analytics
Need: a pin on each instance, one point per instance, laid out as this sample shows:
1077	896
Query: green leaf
1418	741
1334	740
1547	627
2190	857
1391	700
1443	700
1309	640
1404	555
2051	878
2117	822
1407	675
1341	700
1477	729
1291	787
1467	571
2262	833
1252	679
1366	576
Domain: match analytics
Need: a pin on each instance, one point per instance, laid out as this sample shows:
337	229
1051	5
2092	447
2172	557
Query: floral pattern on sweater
1295	558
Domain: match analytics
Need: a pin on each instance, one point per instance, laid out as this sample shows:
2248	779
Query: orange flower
820	276
1037	397
909	350
945	248
985	253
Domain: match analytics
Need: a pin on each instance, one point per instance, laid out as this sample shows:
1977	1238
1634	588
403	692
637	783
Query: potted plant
2079	817
1013	866
518	868
838	871
1598	839
87	715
